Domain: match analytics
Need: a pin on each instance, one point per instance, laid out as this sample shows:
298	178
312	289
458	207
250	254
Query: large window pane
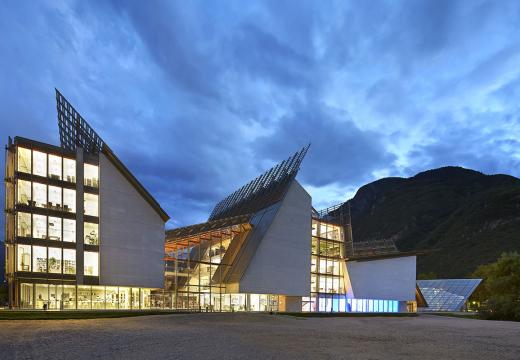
68	297
91	175
24	224
91	233
39	226
69	261
54	197
91	263
42	296
98	297
54	228
111	297
69	200
84	297
24	160
69	230
39	259
24	258
24	192
39	163
26	296
55	167
39	195
69	170
55	260
91	204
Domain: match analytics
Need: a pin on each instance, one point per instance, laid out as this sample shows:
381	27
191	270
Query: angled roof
206	227
447	294
261	192
75	131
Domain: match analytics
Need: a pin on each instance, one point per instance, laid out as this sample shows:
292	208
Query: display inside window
54	198
55	167
39	195
24	160
69	261
39	255
91	233
24	224
41	296
55	260
54	228
91	263
68	297
39	163
69	230
39	226
91	204
24	192
24	258
69	200
69	170
91	177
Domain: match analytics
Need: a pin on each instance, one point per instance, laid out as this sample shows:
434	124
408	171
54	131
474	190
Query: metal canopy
261	192
74	130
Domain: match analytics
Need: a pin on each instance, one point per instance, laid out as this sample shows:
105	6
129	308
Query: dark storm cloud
197	98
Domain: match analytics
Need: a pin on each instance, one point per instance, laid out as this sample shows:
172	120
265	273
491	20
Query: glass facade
447	294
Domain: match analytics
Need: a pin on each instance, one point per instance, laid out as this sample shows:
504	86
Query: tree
427	276
500	290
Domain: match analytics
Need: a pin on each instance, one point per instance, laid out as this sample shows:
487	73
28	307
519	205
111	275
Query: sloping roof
261	192
75	131
447	294
206	227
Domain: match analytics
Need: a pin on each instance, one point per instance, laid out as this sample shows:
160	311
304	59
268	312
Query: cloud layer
197	97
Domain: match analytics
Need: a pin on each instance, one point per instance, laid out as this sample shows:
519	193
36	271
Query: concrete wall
131	233
281	263
386	279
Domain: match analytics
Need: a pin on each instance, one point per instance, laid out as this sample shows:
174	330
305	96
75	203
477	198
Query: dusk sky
200	97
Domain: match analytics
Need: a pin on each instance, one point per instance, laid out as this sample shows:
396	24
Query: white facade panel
386	279
131	233
282	260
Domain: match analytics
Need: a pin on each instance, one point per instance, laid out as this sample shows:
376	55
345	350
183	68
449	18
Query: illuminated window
39	256
54	228
54	197
24	192
55	260
69	170
69	230
69	200
39	195
39	163
68	297
24	258
91	263
69	261
39	226
24	160
91	204
41	296
91	177
55	167
91	233
24	224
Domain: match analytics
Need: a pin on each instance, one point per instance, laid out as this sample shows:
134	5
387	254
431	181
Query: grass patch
455	315
322	315
79	314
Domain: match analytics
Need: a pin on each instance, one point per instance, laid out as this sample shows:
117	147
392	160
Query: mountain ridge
461	217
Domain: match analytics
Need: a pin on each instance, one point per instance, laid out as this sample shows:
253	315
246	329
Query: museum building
83	233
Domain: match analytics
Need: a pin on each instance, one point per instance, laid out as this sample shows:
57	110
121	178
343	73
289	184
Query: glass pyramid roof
447	294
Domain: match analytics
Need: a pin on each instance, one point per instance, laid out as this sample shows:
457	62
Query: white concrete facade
385	279
281	262
131	233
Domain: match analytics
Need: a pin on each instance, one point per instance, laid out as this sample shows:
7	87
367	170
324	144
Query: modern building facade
446	294
81	232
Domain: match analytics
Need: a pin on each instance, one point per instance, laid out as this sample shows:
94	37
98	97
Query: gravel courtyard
259	336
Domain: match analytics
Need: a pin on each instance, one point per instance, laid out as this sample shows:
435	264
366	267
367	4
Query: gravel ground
260	336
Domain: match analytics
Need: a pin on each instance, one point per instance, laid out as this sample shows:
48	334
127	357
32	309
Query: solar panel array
447	294
74	130
261	192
